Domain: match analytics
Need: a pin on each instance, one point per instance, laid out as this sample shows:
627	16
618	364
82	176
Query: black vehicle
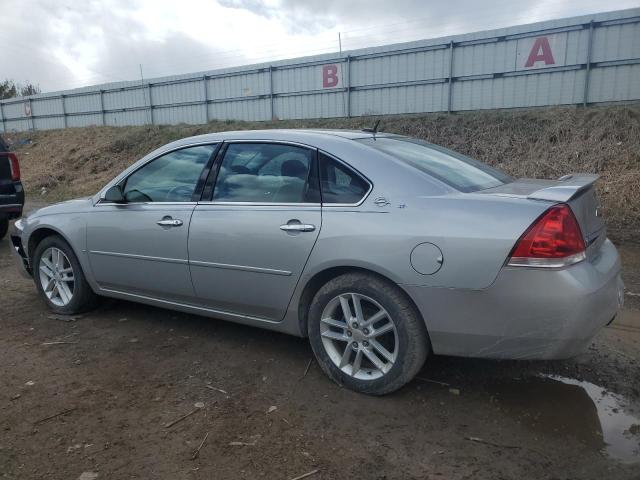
11	191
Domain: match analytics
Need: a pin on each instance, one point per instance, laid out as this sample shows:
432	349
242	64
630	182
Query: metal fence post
587	73
4	126
271	91
450	93
102	112
150	104
205	89
348	86
33	123
64	111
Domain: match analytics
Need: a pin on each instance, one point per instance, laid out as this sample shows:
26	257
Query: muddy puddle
563	407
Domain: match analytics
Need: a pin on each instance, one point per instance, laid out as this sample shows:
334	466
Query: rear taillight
554	240
15	166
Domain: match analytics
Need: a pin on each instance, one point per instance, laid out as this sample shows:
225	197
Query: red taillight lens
15	167
554	240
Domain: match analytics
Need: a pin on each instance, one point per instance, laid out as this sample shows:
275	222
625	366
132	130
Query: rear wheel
366	334
4	227
59	278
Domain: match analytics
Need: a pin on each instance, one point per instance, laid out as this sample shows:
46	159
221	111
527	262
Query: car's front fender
72	227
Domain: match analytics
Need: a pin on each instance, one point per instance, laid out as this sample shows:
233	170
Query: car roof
315	137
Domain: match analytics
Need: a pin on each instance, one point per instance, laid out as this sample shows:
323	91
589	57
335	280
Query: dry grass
545	143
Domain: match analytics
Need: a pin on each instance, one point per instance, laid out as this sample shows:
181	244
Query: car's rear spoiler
567	188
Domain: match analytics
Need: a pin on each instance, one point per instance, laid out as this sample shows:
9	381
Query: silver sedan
382	249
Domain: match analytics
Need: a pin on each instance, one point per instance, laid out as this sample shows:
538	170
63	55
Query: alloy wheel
359	336
56	276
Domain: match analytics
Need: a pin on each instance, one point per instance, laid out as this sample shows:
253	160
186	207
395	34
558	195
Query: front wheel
366	334
59	277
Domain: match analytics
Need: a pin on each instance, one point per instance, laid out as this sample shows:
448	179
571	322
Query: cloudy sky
61	44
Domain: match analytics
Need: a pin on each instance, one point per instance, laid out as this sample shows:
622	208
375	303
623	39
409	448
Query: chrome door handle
297	227
169	222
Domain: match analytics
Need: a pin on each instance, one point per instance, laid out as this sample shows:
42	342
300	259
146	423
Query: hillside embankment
542	143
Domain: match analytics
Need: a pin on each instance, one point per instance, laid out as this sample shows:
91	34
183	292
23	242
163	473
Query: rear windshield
462	173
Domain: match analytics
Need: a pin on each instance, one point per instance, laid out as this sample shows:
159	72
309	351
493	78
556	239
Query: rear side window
267	173
340	184
460	172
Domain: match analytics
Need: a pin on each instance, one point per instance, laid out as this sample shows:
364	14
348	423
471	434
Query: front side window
169	178
267	173
460	172
339	183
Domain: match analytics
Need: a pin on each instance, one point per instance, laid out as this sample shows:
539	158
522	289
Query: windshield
460	172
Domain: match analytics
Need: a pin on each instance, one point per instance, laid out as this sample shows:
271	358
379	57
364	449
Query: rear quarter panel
474	233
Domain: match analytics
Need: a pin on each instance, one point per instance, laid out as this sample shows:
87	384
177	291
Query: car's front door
249	243
140	246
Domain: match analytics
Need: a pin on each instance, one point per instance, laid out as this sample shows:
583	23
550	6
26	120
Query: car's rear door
140	247
250	239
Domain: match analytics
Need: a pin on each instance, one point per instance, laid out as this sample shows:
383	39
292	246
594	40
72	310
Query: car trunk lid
578	191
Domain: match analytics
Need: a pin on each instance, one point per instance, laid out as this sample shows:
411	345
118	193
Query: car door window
340	184
267	173
169	178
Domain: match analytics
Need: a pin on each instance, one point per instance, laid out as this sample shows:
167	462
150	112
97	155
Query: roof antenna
373	130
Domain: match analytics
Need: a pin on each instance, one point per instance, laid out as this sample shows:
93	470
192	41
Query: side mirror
114	195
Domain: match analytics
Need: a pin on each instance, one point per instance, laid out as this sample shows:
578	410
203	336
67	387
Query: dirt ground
118	376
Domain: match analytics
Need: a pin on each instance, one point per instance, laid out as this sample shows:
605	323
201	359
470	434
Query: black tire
4	227
413	339
83	297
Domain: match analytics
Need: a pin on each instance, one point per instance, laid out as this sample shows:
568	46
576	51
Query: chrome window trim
353	169
126	174
276	142
260	204
102	203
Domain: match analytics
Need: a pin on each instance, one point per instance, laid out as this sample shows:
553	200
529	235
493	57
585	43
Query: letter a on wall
541	52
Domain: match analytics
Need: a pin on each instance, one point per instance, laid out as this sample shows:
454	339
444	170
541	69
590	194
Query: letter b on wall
330	76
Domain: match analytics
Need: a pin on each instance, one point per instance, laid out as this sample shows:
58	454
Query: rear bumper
11	204
11	210
527	313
